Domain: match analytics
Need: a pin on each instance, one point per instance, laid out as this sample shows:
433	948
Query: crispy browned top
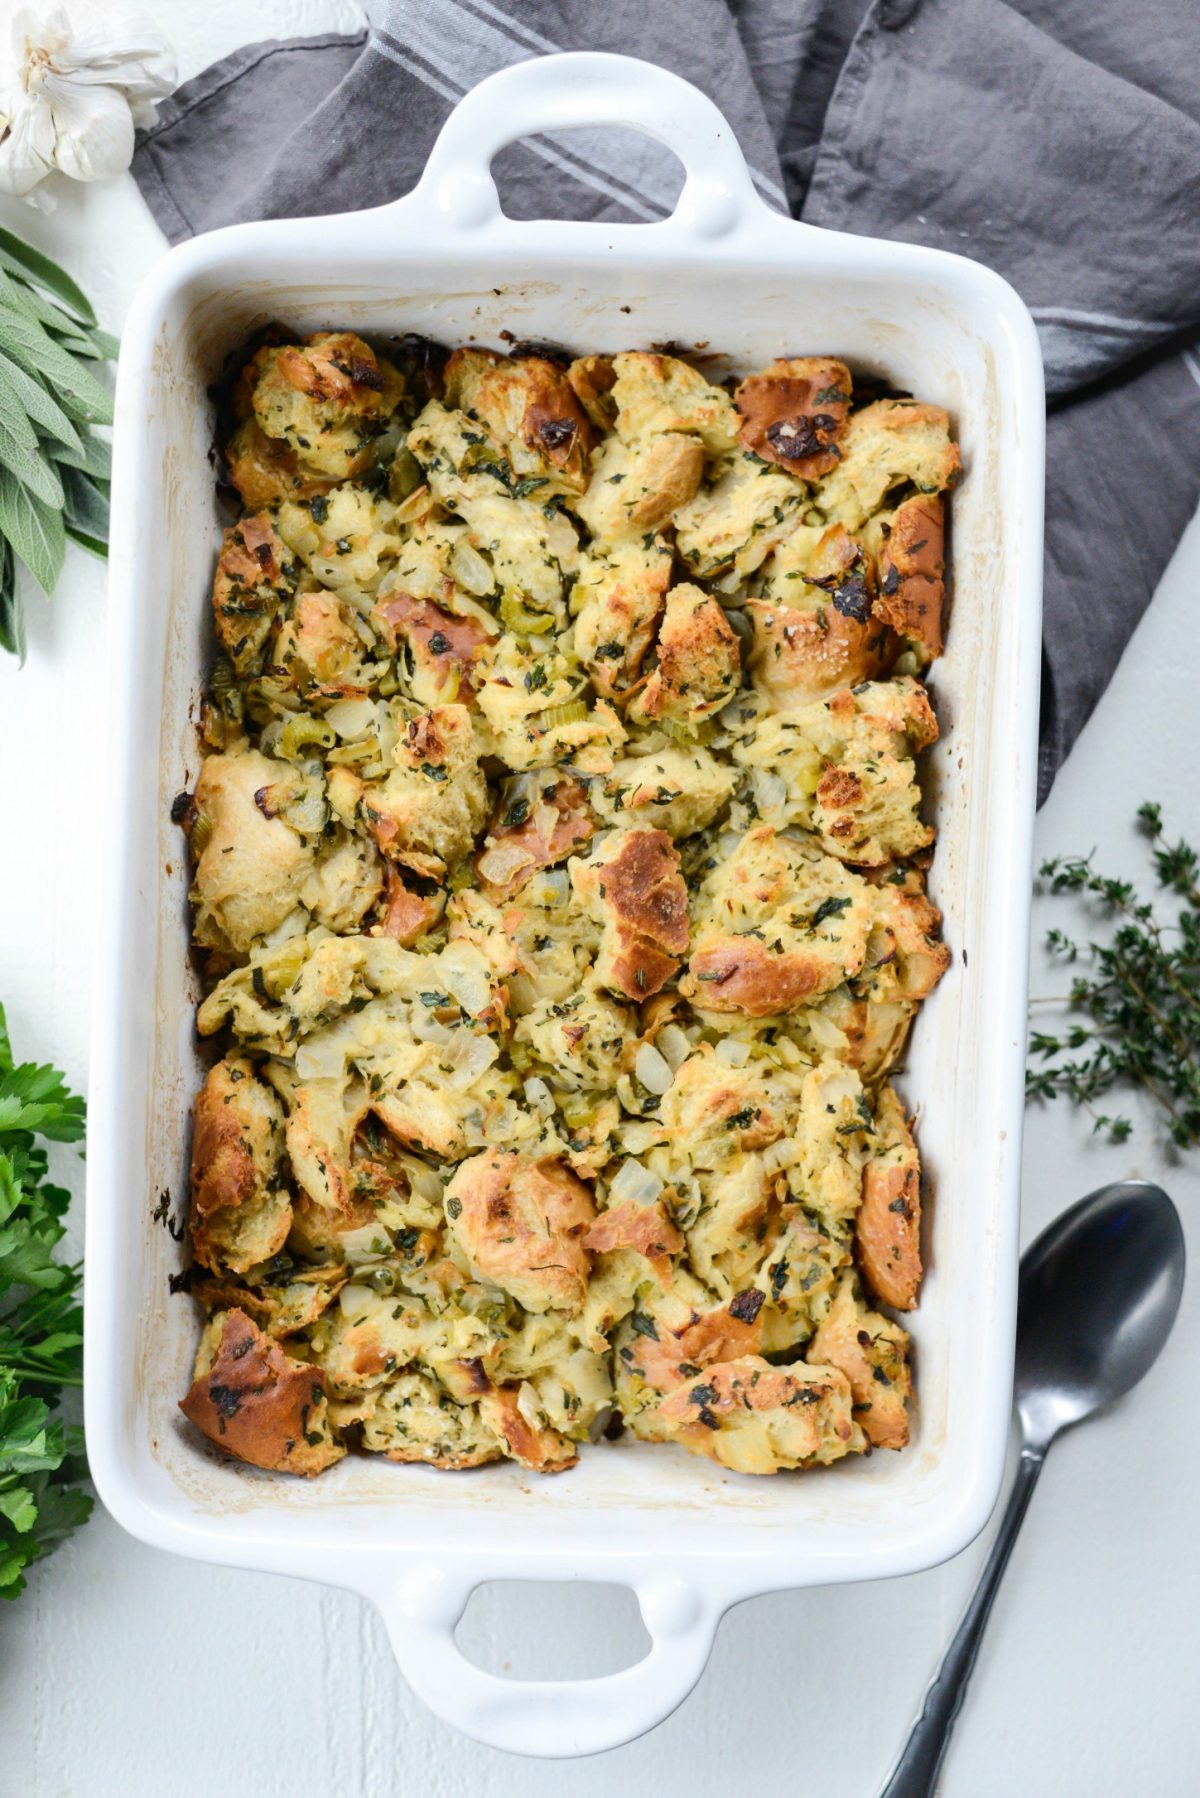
254	551
524	1224
912	562
666	473
407	915
794	413
871	1353
699	661
554	424
265	470
888	1232
425	738
557	821
646	1228
644	886
544	1451
910	925
259	1404
800	655
525	396
333	365
698	1343
442	638
745	1384
592	379
743	974
224	1171
254	572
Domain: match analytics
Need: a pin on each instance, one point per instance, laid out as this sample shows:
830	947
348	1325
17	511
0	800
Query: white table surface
126	1671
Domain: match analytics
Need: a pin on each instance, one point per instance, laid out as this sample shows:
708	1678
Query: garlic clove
93	129
26	150
128	54
76	97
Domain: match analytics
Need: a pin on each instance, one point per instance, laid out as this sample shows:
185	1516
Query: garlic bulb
72	95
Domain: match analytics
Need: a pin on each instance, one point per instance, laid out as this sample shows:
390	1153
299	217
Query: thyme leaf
1136	996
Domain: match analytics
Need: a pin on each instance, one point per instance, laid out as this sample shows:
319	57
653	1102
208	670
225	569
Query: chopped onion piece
321	1057
780	1154
538	1094
734	1053
467	977
367	1243
354	1300
673	1046
423	1180
467	1058
504	859
825	1032
426	1028
551	888
635	1182
543	820
770	790
653	1070
351	718
470	570
528	1404
522	994
414	507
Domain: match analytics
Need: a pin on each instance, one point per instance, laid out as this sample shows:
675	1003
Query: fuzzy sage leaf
53	468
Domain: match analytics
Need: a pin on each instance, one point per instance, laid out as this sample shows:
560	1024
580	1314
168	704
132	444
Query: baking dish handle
549	1719
581	89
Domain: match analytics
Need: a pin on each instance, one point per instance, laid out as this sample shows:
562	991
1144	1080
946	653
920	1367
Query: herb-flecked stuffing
559	894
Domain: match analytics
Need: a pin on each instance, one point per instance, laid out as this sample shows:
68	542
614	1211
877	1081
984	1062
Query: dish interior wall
955	1069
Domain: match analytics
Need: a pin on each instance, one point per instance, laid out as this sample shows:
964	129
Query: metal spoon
1098	1295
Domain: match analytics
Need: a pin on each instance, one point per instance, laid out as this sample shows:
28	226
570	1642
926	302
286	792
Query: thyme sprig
1139	995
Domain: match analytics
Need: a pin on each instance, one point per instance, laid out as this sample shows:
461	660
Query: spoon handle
915	1774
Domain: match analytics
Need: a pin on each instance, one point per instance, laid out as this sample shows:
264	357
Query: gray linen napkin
1057	140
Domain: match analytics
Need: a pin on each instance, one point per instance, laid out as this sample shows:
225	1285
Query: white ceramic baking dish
688	1538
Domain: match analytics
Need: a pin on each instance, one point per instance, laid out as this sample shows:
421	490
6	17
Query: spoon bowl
1098	1295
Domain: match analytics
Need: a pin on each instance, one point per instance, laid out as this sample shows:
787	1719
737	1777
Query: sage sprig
54	469
1136	996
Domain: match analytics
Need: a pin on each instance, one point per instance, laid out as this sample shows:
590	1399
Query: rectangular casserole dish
724	269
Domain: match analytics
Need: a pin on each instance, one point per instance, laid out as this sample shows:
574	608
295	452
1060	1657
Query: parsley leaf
41	1322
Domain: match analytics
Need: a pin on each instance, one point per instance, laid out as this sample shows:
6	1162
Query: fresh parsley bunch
54	470
1138	994
41	1322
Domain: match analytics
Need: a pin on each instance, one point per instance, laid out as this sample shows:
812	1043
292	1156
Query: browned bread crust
794	414
260	1405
